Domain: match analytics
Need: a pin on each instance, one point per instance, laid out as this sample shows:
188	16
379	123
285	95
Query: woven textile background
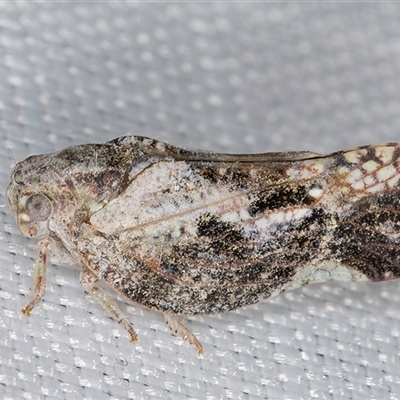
231	77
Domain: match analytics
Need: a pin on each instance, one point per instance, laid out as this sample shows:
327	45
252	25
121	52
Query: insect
192	232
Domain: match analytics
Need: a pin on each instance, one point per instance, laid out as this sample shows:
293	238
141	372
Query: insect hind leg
185	333
88	281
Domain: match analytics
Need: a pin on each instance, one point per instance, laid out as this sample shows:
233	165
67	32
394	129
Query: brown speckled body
188	232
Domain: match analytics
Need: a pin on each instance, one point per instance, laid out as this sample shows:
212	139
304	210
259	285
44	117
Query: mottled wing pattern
217	232
367	236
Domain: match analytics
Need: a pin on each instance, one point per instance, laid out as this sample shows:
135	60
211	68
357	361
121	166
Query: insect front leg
185	333
39	282
88	281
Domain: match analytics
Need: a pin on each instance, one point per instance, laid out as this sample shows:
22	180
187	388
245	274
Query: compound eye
38	207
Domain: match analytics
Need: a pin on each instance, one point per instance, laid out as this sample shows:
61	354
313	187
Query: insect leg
88	281
178	327
39	280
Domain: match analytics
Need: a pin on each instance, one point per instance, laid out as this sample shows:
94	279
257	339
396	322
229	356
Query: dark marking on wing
280	197
361	242
221	237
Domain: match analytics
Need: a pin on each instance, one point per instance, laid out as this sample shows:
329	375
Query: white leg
39	280
178	327
88	280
